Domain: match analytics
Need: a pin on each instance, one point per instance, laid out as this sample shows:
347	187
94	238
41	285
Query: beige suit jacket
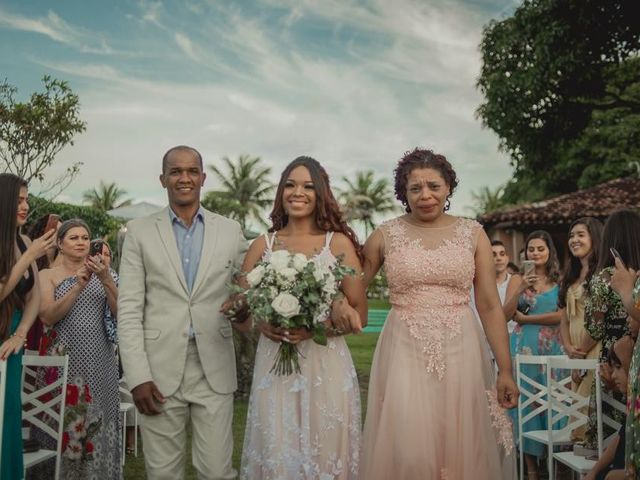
155	308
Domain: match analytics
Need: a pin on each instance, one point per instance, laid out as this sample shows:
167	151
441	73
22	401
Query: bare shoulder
258	245
340	243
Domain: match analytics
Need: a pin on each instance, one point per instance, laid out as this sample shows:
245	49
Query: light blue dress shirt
189	241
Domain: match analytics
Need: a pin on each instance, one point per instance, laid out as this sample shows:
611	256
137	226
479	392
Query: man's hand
146	396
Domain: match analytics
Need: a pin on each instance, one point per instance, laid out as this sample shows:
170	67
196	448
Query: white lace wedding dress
303	426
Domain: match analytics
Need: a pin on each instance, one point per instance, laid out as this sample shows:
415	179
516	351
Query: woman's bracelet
22	338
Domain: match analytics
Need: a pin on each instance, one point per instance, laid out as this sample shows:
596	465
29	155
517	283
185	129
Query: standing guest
605	313
432	410
625	281
585	235
175	345
503	276
537	331
19	302
75	296
306	425
39	228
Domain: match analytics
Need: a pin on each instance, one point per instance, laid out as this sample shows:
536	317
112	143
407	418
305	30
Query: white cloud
263	91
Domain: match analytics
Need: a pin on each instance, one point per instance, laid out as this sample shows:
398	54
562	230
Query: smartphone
528	266
96	247
616	254
52	222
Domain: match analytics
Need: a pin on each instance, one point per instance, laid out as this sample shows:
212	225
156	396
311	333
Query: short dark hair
421	158
497	243
184	148
621	231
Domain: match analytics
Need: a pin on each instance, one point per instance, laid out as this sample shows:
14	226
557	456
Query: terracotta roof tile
599	201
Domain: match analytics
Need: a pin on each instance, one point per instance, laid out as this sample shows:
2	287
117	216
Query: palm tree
486	200
106	197
364	197
246	189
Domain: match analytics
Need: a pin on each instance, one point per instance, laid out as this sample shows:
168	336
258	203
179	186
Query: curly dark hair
328	215
421	158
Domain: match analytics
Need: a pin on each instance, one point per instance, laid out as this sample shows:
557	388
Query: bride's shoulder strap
269	240
327	239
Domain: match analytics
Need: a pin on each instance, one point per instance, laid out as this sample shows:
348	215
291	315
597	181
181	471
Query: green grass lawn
361	346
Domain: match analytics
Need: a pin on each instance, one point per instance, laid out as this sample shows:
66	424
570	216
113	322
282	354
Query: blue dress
11	462
535	339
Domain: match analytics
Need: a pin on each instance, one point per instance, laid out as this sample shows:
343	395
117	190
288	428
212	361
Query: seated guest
611	463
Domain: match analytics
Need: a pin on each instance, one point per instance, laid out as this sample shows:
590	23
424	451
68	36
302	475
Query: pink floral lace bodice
430	273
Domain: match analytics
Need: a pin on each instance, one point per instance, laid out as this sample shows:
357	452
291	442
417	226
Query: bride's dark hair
327	214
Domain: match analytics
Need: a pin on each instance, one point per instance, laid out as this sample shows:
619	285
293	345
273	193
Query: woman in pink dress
433	411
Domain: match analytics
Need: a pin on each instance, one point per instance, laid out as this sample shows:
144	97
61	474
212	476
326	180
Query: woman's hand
345	318
83	275
11	346
574	352
520	317
507	390
275	334
41	245
96	265
623	279
296	335
528	281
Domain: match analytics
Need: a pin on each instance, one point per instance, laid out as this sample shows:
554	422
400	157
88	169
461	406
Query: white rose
286	305
299	261
273	292
254	277
279	260
288	273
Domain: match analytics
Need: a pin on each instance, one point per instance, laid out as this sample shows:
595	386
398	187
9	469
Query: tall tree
365	197
106	197
551	74
32	133
246	189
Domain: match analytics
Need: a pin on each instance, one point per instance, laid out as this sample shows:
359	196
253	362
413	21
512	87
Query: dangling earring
447	205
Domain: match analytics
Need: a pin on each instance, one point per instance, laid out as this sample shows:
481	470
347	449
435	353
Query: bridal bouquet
292	291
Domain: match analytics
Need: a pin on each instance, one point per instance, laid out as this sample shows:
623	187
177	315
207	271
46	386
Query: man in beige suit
176	346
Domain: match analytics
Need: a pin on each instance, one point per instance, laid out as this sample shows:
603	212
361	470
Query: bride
306	425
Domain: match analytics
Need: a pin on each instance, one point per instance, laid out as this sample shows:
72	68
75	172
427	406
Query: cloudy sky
353	83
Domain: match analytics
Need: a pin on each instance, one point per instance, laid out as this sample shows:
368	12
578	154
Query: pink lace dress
432	411
303	426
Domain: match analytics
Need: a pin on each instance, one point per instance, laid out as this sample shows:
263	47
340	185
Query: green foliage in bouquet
292	291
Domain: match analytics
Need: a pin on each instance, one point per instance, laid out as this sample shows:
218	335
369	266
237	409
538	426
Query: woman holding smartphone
76	296
605	313
533	304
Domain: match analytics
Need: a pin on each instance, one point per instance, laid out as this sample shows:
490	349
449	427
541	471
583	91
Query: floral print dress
632	446
605	321
91	440
535	339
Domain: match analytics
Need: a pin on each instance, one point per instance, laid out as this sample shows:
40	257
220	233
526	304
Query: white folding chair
46	415
3	389
536	395
567	404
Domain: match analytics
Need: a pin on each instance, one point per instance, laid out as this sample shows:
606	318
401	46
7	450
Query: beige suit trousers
211	414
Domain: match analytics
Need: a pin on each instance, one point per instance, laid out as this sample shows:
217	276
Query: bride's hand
296	335
272	333
507	390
